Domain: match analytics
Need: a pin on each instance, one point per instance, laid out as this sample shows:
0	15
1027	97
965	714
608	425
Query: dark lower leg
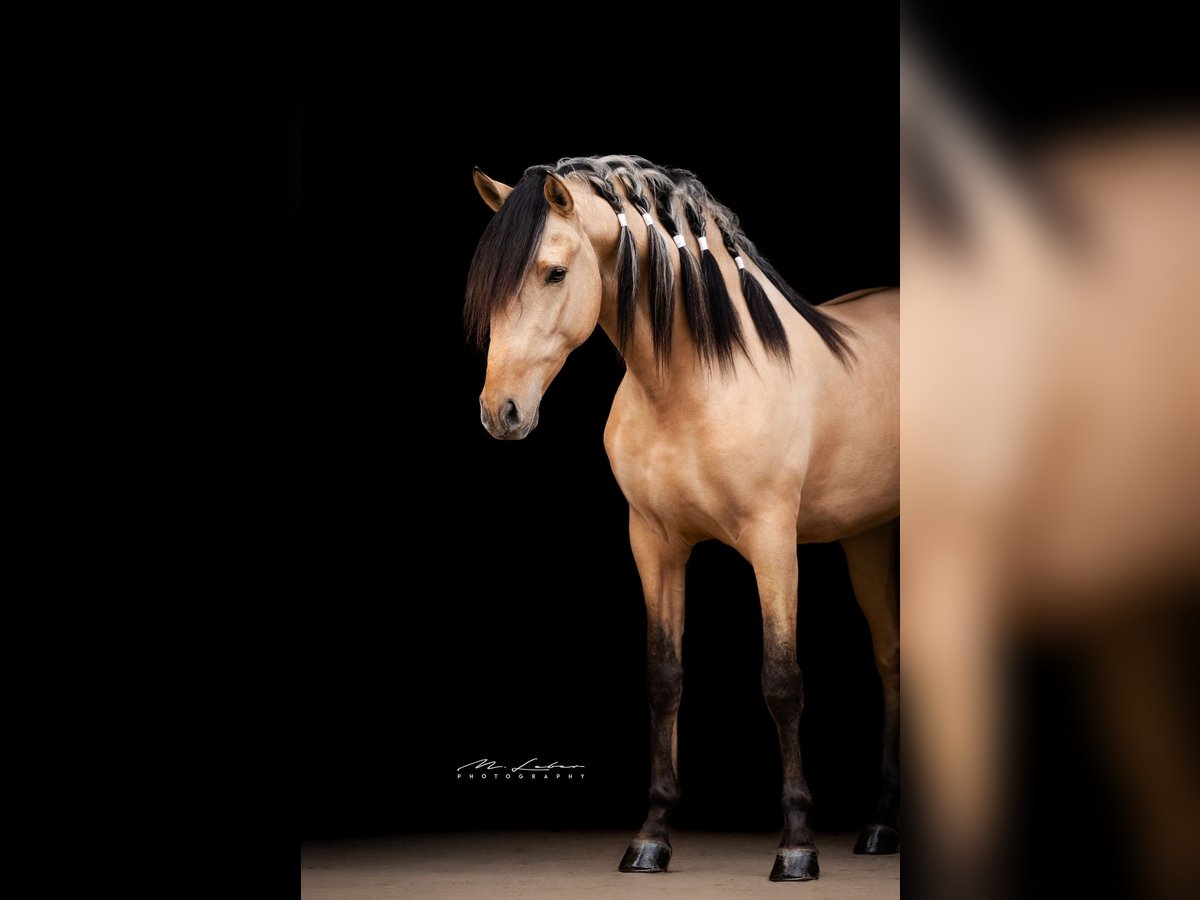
870	558
881	835
664	681
887	808
783	688
650	850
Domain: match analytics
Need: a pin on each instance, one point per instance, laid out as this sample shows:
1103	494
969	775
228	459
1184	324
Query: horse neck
682	381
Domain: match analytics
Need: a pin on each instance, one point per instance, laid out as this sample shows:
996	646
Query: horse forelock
505	252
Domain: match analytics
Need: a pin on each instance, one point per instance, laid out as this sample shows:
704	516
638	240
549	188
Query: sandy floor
502	865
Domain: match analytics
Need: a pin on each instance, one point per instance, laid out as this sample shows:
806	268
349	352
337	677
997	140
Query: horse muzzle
509	421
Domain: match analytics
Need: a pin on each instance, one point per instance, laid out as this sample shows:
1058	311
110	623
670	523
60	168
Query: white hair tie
621	219
649	221
679	241
703	243
740	264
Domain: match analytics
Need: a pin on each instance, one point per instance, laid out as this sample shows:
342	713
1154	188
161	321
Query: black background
459	597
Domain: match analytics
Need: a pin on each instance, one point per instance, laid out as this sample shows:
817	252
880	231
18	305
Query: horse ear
558	196
494	193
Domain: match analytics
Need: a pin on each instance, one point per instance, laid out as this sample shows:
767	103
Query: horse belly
848	503
821	523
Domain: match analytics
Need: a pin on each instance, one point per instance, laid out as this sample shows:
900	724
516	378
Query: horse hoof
877	840
796	864
646	856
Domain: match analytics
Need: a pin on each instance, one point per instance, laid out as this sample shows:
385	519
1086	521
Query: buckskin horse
762	442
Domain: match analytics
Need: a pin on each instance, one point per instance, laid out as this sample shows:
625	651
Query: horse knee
887	655
887	662
664	682
783	688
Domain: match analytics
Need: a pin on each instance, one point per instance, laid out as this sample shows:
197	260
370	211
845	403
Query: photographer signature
526	766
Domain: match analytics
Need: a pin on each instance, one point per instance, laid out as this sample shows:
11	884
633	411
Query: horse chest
681	481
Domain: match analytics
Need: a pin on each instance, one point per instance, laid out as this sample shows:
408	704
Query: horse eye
555	275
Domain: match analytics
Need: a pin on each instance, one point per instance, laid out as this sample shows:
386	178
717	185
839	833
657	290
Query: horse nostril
509	416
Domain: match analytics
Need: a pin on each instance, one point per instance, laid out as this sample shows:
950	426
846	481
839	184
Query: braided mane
683	207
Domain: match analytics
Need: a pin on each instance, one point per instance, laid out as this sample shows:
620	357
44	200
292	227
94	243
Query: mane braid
627	277
762	313
726	327
660	277
691	284
627	282
831	331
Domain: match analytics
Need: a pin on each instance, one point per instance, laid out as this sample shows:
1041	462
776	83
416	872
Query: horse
746	415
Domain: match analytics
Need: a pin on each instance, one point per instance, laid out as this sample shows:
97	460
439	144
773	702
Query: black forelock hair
505	252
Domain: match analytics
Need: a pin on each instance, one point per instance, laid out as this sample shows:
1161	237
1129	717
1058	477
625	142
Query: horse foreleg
773	556
871	561
661	564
